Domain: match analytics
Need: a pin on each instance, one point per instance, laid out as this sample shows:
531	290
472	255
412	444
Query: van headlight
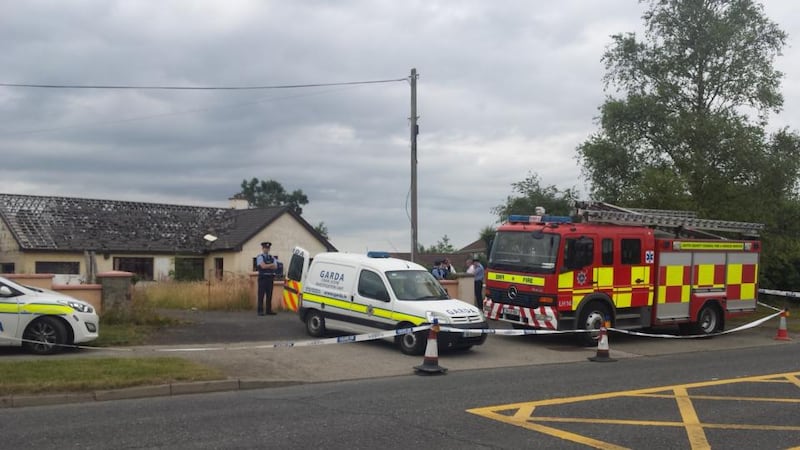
79	306
442	318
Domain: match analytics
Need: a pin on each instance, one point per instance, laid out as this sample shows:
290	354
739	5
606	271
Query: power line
196	88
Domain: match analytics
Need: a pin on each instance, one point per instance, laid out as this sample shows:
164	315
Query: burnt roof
78	224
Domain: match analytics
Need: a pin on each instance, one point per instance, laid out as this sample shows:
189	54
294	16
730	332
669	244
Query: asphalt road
649	402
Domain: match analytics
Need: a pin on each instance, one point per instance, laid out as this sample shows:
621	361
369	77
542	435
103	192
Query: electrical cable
195	88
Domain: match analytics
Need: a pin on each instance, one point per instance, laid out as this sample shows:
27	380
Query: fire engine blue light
518	218
378	255
557	219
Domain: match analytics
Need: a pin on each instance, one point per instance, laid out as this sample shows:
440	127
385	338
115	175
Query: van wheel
44	336
315	323
412	343
591	318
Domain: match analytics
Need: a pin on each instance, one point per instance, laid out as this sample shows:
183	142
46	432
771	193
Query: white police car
43	321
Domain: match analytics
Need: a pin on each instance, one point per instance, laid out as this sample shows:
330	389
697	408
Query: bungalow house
75	238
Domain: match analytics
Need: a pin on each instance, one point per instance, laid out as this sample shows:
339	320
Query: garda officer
266	266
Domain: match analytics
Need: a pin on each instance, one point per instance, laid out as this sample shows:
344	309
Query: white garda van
367	293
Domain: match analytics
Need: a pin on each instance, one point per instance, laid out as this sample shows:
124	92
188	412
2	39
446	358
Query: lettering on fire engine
500	277
527	280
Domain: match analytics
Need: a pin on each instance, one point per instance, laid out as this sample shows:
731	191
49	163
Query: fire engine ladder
681	220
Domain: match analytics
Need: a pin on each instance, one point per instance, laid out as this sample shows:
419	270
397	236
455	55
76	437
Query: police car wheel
315	324
413	343
44	336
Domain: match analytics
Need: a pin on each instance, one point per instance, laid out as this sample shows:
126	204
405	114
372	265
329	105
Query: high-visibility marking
524	414
519	279
712	245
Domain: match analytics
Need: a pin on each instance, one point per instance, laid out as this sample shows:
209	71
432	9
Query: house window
6	267
141	267
59	267
189	269
218	268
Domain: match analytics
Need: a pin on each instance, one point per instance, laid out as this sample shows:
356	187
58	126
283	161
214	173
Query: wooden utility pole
414	133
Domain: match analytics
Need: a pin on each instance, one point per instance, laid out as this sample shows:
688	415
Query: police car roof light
378	255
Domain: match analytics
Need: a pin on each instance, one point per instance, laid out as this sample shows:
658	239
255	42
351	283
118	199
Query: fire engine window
631	251
578	253
608	252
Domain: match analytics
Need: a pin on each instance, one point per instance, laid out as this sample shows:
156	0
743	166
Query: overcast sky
505	89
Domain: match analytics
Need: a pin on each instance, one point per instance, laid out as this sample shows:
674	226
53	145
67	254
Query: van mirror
5	291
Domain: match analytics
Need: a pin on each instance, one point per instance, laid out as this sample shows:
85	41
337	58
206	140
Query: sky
505	89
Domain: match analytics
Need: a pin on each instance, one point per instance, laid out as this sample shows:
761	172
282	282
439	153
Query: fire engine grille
521	299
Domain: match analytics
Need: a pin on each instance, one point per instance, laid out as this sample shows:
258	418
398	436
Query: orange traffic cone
602	354
430	364
782	334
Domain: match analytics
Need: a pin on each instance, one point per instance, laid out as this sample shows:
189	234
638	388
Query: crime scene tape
334	340
401	331
779	293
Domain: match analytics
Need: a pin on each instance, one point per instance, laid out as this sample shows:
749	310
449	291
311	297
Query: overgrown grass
792	320
227	295
90	374
133	325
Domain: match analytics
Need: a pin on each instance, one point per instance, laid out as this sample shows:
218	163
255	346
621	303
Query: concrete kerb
161	390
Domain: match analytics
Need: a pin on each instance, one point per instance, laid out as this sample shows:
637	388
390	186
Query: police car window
370	285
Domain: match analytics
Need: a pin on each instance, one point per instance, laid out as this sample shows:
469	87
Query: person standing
266	276
478	274
438	271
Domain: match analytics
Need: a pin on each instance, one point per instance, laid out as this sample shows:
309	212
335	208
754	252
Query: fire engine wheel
709	320
592	318
315	324
44	336
412	343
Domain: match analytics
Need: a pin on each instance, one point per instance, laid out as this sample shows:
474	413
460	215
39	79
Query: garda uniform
266	277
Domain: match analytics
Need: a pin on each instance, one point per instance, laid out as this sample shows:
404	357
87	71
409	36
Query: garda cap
266	244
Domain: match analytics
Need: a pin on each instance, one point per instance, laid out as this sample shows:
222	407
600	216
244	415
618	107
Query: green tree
682	136
322	229
533	194
442	246
262	194
688	128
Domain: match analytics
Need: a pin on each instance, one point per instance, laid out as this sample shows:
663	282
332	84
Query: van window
415	285
370	285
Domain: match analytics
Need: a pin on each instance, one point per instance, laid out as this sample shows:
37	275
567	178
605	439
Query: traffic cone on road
430	364
602	354
782	333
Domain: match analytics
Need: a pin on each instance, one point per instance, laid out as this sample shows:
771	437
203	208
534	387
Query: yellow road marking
697	437
523	413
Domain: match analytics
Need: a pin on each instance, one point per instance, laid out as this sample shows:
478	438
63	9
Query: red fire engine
633	267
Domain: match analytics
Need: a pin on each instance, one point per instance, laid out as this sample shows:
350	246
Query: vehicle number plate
511	313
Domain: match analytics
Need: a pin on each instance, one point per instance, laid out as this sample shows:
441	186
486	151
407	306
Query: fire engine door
633	277
577	276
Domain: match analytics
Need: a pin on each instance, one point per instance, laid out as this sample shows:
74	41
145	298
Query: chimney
238	203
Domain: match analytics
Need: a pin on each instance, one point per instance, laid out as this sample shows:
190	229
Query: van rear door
295	274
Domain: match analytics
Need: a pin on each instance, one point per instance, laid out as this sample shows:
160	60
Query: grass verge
92	374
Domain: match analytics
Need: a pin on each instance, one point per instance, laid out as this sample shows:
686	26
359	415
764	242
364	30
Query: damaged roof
77	224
